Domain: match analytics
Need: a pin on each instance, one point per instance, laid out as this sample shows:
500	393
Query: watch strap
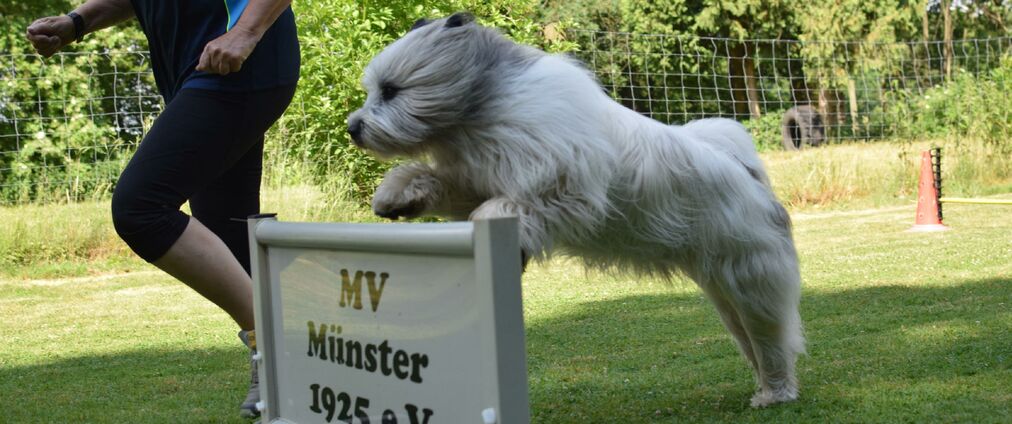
78	25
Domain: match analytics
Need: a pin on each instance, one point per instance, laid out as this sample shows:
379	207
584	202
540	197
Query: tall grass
847	175
77	238
859	175
55	240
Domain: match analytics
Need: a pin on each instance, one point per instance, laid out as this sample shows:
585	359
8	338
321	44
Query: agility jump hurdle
389	323
929	194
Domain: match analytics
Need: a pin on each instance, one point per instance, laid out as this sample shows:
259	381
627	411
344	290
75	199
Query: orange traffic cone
928	216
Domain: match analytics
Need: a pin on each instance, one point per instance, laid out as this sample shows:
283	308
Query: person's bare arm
227	53
49	35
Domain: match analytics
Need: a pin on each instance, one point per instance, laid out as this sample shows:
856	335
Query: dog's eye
389	92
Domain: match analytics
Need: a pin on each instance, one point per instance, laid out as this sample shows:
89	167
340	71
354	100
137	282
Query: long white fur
499	129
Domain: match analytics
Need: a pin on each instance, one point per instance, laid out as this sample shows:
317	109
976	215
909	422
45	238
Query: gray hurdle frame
492	244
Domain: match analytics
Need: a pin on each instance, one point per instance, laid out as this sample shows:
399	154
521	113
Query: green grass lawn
901	328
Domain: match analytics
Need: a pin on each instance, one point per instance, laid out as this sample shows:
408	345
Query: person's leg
198	137
200	259
206	147
212	255
222	207
224	204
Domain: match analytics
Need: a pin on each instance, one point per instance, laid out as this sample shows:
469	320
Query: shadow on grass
877	354
199	386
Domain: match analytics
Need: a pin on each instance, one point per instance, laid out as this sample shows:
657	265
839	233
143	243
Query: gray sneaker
248	409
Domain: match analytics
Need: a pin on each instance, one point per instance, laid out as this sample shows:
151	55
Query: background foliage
310	145
338	38
77	129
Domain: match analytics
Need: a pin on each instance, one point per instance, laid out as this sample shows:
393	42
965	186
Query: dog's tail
732	138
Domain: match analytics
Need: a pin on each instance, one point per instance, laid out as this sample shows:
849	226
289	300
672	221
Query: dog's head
428	83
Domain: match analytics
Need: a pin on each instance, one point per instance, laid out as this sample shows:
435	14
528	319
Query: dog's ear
459	19
419	23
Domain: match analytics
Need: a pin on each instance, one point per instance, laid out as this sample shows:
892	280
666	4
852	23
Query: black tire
802	126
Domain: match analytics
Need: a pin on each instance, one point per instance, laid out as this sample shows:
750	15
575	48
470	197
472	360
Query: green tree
870	29
698	43
741	21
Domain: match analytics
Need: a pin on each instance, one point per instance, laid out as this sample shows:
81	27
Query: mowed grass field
901	327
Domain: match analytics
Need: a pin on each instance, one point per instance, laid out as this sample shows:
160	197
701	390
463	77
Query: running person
227	70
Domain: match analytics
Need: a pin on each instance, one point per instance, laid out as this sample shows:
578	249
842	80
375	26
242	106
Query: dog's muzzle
355	130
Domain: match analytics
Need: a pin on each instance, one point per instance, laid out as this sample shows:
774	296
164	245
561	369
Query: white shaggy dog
499	129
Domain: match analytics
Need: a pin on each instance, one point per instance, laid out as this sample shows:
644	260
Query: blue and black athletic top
178	30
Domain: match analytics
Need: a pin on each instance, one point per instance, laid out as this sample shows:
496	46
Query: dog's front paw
395	211
409	202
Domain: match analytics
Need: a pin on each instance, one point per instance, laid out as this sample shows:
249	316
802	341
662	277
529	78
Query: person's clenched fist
49	35
226	54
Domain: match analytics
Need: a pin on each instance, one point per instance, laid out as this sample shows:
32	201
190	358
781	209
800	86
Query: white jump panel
389	323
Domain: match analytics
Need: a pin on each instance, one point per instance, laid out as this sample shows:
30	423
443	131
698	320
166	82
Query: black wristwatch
78	25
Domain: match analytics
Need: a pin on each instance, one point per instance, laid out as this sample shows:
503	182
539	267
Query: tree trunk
751	83
852	96
744	85
829	102
925	63
830	118
947	22
824	106
801	93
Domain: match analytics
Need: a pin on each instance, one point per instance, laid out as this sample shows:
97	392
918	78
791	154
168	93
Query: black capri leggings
205	147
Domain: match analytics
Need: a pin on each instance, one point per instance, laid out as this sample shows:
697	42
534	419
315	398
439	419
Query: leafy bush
765	130
988	112
68	123
967	106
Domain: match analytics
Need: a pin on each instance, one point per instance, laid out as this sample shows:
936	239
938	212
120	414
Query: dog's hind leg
729	316
763	287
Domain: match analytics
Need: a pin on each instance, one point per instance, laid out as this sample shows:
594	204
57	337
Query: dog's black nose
355	130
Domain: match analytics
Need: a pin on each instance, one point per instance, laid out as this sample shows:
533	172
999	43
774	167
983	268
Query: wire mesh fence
69	123
810	91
